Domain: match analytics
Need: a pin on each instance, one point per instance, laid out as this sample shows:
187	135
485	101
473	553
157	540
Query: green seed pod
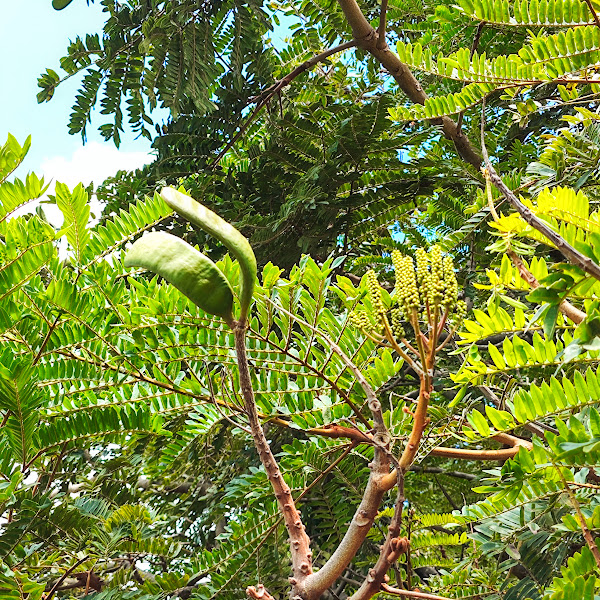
60	4
192	273
237	244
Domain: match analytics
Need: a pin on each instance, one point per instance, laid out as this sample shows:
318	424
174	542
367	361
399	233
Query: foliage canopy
131	415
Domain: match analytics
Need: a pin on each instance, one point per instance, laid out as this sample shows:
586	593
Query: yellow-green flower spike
435	290
422	262
397	322
406	282
375	293
451	285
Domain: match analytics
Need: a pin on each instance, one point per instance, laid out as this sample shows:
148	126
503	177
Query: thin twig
568	251
474	46
373	402
593	11
587	534
409	594
565	307
276	88
381	43
56	586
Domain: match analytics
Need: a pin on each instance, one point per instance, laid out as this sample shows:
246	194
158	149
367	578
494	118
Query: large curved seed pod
192	273
237	244
60	4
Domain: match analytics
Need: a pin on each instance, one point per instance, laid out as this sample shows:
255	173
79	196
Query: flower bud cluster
422	266
360	320
406	282
375	294
451	289
435	284
459	312
433	281
397	323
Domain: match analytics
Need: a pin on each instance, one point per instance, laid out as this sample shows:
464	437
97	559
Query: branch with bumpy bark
368	39
313	586
569	252
299	540
393	547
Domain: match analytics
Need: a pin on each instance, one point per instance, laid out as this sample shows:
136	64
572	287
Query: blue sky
33	36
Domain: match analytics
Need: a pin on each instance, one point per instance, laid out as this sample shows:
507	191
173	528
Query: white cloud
93	162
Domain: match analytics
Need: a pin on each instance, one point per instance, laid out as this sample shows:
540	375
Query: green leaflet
76	211
192	273
227	234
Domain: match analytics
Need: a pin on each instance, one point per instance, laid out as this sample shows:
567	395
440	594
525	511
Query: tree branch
318	582
409	594
381	43
593	11
366	37
587	534
259	592
266	96
56	586
535	427
570	253
474	46
357	531
393	547
565	307
299	540
464	453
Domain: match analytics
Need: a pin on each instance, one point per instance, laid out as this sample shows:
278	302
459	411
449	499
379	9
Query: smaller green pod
192	273
60	4
226	233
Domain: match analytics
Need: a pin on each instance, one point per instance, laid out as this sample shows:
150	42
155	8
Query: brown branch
474	46
565	307
259	592
466	454
419	423
381	43
393	547
56	586
276	88
570	253
587	534
339	431
409	594
46	338
316	583
366	37
357	531
299	540
594	13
